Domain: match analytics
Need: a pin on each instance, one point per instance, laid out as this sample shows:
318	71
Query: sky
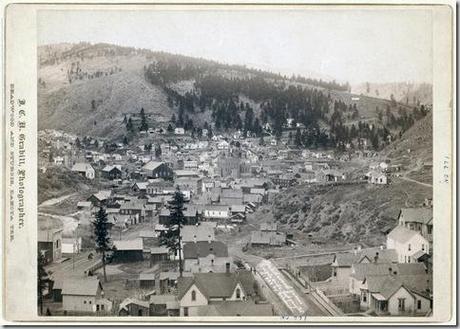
366	44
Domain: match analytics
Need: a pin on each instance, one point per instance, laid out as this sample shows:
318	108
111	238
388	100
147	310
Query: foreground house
396	295
360	271
205	288
83	296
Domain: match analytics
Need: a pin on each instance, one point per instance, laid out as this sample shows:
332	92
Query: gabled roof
217	285
81	287
388	284
417	215
81	167
102	195
135	244
402	234
110	168
194	250
190	233
349	258
363	270
152	165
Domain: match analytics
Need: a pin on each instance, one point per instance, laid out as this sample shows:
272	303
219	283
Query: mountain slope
87	89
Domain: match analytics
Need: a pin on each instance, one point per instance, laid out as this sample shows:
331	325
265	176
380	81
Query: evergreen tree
170	129
42	280
298	138
125	140
172	237
101	232
144	126
77	143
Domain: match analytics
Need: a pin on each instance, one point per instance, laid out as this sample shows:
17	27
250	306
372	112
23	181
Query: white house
376	177
83	296
205	288
394	294
179	131
409	244
84	169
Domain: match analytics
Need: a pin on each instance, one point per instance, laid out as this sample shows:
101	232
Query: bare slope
347	213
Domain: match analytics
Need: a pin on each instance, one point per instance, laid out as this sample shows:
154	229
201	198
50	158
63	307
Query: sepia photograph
245	161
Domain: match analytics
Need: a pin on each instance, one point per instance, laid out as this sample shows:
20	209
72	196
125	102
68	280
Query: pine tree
42	280
78	143
144	126
172	237
298	138
101	232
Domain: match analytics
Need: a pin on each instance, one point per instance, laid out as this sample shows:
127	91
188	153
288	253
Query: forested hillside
98	88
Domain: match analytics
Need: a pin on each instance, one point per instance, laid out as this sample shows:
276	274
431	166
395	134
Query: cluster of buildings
395	279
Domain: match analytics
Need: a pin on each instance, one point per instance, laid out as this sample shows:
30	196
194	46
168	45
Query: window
139	312
97	308
408	247
364	295
238	293
193	295
419	304
401	304
57	243
185	311
102	307
84	302
423	247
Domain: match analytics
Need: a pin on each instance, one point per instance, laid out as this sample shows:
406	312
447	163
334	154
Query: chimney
227	267
209	238
194	238
376	258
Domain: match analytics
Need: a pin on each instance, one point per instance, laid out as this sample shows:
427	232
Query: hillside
57	182
346	213
87	89
404	92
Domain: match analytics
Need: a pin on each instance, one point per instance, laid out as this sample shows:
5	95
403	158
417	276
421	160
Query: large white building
409	245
